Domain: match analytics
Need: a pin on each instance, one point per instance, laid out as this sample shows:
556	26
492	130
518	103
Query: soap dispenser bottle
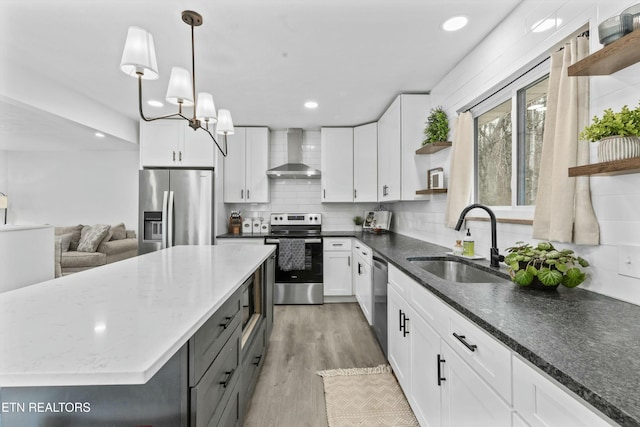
467	245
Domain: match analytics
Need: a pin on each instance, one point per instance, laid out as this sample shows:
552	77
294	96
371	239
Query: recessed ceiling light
545	24
99	134
455	23
311	104
154	103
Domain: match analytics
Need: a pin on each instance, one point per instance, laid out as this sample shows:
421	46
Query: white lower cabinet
337	267
540	402
398	338
468	379
467	400
363	279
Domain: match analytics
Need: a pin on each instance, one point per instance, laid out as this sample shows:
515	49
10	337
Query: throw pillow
119	231
76	230
92	237
65	241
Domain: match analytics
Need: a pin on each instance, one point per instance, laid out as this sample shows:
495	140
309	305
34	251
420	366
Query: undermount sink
455	270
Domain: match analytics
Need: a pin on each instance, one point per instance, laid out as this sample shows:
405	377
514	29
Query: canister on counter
265	227
247	226
256	225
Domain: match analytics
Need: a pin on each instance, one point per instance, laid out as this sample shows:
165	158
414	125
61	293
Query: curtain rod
583	34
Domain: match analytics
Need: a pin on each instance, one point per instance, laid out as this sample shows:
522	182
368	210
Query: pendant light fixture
139	60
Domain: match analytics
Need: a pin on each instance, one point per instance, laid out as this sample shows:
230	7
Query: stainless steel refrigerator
175	208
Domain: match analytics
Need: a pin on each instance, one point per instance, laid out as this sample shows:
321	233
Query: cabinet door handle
242	194
440	377
349	261
359	269
258	359
364	253
180	156
247	194
227	322
227	380
355	193
406	331
324	193
462	339
174	156
400	320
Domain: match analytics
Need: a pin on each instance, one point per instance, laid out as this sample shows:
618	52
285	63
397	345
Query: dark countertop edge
607	408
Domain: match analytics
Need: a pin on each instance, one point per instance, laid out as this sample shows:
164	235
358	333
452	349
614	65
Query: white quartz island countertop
119	323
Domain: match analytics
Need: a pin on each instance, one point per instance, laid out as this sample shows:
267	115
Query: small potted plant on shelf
544	267
617	134
437	126
358	221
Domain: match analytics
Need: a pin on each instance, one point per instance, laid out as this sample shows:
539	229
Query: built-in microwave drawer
206	343
209	397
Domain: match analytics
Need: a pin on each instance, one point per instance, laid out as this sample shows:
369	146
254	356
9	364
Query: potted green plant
544	266
617	134
437	126
358	221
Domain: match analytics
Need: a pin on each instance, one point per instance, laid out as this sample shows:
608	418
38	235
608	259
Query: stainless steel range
299	278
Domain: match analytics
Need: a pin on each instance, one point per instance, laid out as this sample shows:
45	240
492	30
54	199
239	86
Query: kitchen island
121	325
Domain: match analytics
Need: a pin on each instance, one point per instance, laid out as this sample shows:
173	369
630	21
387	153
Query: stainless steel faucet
495	254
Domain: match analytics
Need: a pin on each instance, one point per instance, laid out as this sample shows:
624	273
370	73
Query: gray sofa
73	256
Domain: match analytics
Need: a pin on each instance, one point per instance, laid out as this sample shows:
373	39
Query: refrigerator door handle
165	201
170	221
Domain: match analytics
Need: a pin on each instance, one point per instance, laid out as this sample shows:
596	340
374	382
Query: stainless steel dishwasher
380	273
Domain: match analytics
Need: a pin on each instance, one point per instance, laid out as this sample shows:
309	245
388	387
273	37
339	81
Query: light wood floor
306	339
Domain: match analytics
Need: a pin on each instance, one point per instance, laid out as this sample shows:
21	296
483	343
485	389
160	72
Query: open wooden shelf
434	147
614	57
615	167
432	191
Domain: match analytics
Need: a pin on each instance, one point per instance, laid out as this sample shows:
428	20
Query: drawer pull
440	377
258	359
463	340
336	244
227	323
406	331
229	375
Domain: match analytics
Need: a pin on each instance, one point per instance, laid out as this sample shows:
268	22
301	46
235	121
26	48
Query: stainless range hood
294	168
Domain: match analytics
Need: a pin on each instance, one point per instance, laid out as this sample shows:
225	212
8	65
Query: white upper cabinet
389	154
400	133
245	178
172	143
365	163
337	164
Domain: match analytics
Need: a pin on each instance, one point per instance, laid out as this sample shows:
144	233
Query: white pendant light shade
225	124
205	109
139	55
180	89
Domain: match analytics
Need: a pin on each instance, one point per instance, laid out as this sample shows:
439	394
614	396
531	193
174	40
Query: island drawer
207	342
209	397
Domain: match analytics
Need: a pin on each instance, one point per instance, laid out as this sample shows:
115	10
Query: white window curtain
564	212
460	169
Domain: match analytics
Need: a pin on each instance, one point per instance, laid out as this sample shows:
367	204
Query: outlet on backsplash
629	260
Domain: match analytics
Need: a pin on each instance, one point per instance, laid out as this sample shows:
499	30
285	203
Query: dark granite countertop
588	342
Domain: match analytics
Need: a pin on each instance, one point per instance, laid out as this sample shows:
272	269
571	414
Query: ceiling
261	59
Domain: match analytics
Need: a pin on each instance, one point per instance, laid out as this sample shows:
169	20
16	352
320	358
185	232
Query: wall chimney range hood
294	168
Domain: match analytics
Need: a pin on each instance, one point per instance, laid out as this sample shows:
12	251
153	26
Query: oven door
300	286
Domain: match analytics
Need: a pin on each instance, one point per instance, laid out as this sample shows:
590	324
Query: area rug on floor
365	397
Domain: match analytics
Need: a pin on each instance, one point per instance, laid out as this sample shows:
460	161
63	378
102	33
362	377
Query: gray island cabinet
171	338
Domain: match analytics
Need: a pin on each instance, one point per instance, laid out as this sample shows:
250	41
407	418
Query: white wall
301	195
4	177
505	52
73	187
